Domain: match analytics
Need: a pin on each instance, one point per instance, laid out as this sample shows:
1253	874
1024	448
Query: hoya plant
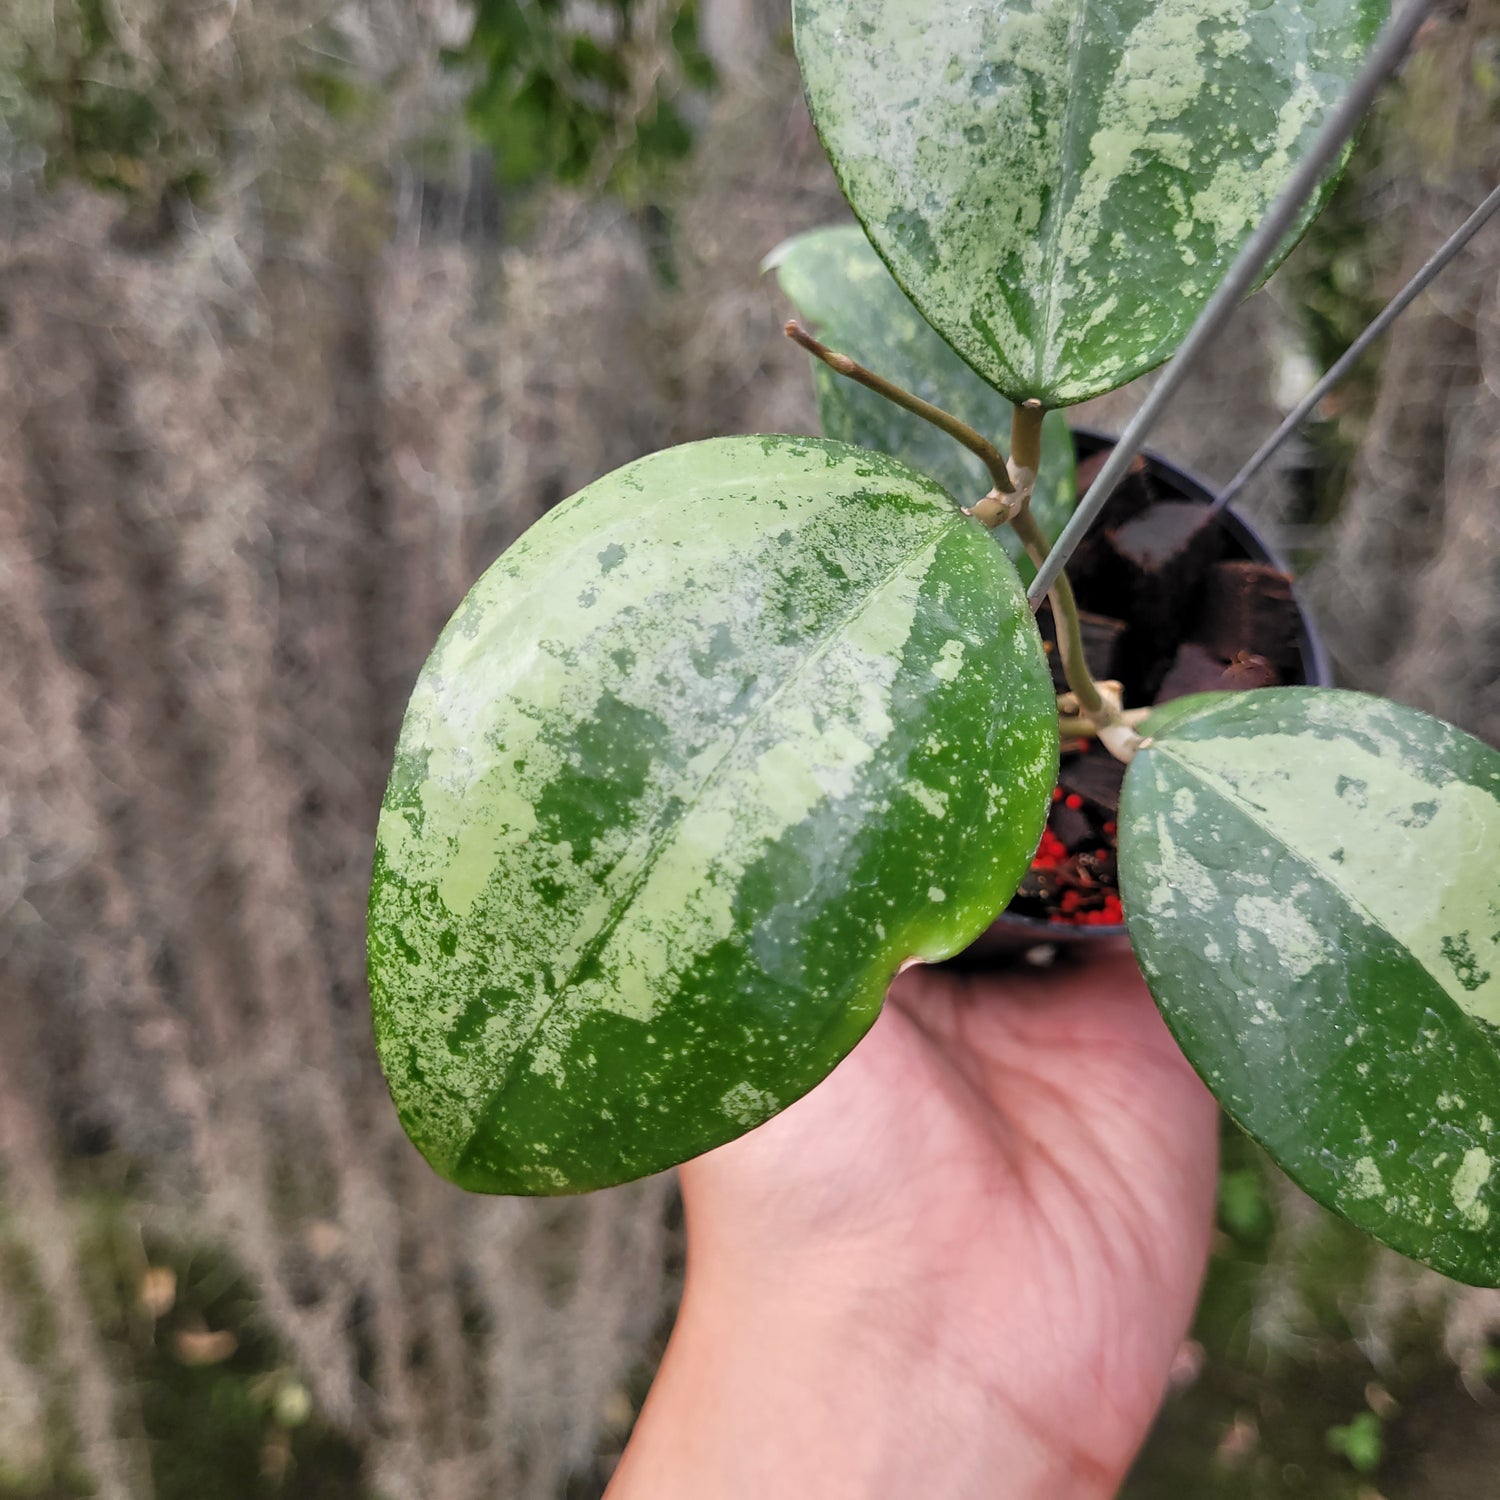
737	731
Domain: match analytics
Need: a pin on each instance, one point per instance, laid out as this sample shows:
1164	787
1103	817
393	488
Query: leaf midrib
1050	229
660	835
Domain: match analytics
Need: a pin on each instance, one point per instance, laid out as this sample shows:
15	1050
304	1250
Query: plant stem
1026	435
1026	447
1069	631
987	453
1026	452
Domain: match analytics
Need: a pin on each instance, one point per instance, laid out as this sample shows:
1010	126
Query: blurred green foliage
102	111
595	96
1282	1392
155	98
1360	1440
221	1408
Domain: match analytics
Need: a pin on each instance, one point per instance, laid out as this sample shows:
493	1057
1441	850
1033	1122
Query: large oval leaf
842	287
1310	883
1061	184
712	749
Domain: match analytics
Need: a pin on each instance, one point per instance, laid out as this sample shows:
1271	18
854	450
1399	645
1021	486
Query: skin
960	1267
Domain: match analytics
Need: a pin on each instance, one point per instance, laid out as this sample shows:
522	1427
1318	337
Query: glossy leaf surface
710	751
1061	184
1311	886
842	287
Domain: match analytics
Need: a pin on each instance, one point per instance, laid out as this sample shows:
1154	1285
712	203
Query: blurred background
307	309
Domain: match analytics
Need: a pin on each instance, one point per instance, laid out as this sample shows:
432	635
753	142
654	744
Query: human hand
959	1267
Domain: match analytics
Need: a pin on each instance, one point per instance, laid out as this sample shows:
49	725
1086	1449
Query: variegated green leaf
1061	184
842	287
1311	886
700	760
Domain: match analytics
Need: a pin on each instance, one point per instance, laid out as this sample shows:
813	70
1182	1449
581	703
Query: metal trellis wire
1341	367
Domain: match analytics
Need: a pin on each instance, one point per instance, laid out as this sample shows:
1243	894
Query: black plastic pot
1009	935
